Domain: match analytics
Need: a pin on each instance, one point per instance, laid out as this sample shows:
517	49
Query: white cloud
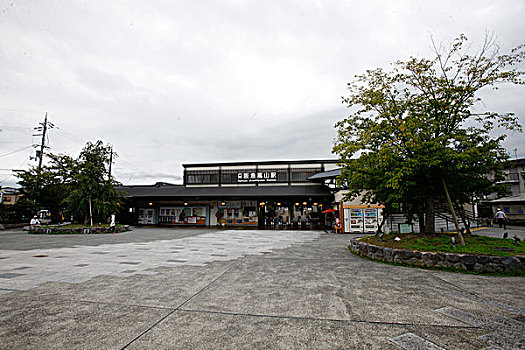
169	82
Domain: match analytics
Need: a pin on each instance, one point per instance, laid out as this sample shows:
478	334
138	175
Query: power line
45	126
18	150
12	170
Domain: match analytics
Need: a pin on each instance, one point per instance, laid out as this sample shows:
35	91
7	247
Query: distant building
9	195
514	203
266	194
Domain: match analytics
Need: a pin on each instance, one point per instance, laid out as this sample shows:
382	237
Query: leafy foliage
68	185
414	127
48	186
19	212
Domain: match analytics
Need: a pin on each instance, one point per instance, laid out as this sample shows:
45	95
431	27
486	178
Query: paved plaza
155	288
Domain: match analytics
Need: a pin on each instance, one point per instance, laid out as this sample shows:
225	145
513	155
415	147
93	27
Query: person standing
502	218
112	223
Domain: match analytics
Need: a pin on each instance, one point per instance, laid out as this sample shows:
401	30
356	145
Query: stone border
466	262
77	230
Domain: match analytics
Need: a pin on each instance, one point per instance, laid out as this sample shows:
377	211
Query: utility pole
110	161
42	144
43	128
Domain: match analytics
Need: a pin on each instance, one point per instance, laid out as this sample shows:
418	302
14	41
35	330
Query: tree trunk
464	219
460	235
385	215
430	227
421	221
90	214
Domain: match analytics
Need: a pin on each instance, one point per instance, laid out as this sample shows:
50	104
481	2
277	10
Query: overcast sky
172	82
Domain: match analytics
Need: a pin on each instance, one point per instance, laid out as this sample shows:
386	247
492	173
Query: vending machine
371	219
356	220
361	219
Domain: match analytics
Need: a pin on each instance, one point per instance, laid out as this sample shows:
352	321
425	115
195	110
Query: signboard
259	176
229	204
406	228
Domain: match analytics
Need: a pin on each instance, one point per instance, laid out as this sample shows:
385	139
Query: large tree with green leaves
47	187
81	186
94	195
415	132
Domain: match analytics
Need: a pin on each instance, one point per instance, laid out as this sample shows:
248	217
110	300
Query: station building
276	194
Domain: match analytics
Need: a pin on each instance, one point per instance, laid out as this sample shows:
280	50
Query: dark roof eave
308	161
223	192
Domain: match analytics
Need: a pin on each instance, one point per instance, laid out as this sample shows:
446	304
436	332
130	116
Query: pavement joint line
83	301
401	324
178	307
449	283
474	297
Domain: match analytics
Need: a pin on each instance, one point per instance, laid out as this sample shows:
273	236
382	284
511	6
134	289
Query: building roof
326	175
269	162
183	192
508	200
512	163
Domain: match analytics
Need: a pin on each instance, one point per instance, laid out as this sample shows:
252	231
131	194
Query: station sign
259	176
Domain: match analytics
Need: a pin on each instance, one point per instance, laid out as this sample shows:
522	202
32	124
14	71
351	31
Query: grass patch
441	243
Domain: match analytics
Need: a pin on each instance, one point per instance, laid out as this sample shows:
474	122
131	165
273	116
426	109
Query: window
302	174
202	177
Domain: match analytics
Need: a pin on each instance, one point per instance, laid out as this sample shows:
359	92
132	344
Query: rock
469	261
478	267
453	258
429	259
510	264
521	258
412	261
406	254
388	254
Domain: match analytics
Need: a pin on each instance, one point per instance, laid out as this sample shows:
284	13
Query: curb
465	262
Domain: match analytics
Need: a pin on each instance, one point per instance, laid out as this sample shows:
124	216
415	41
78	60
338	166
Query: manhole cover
41	256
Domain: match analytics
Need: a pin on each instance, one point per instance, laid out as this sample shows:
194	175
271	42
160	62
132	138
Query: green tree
47	187
20	212
81	187
93	196
412	133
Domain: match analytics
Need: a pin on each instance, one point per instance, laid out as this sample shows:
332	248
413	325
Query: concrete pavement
240	289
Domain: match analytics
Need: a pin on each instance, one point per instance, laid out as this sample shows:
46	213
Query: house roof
511	199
